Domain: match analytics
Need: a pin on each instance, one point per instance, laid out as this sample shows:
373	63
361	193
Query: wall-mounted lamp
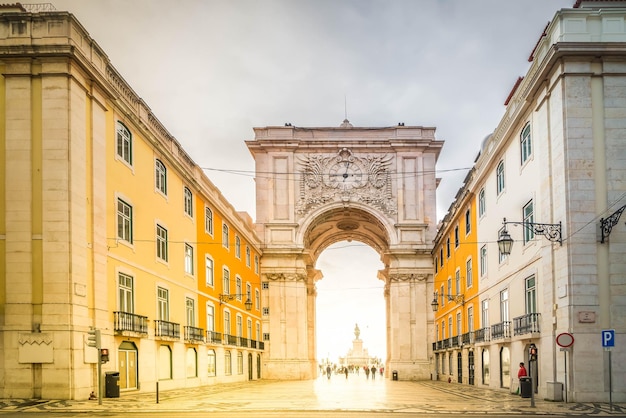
551	231
457	298
607	224
228	298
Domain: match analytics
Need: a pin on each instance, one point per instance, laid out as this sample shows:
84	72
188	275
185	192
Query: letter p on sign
608	338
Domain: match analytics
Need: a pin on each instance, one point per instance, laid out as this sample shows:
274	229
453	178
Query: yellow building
456	286
103	225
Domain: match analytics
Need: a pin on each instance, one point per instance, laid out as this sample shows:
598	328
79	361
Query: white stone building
557	157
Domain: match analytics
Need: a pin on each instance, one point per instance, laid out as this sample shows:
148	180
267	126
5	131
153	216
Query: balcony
126	323
243	342
213	337
481	335
193	334
467	338
455	341
501	330
526	324
230	339
167	330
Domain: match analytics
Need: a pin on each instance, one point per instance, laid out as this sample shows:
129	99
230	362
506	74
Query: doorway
250	377
470	368
127	362
459	367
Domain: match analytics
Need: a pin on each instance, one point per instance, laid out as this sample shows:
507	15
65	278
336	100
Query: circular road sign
565	340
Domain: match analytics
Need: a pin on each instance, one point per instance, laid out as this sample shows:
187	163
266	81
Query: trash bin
394	375
525	387
112	385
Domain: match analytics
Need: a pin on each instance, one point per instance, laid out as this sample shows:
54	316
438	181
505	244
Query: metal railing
526	324
467	338
481	335
166	329
193	334
213	337
501	330
230	339
126	321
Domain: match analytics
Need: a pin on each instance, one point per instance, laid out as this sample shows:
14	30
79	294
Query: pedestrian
521	372
345	370
328	371
367	372
373	372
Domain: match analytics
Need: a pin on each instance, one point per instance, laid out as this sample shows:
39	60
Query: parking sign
608	338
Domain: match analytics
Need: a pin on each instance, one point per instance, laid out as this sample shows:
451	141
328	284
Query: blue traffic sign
608	338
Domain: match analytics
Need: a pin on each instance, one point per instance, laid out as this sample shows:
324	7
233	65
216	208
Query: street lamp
551	231
457	298
228	298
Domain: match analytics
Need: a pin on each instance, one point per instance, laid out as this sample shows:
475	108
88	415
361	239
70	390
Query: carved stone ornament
285	277
408	277
345	177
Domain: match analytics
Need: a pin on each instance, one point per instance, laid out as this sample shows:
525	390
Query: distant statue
357	331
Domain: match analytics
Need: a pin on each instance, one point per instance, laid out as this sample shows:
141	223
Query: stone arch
318	186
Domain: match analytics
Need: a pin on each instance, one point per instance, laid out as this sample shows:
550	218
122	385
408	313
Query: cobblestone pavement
356	393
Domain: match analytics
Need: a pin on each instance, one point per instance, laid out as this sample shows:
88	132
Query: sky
211	71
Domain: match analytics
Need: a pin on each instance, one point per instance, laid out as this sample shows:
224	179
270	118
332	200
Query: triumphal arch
318	186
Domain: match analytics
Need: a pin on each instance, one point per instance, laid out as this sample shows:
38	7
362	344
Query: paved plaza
356	393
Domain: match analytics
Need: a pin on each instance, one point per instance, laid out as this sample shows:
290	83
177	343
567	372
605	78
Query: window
238	287
450	334
165	362
459	324
468	222
443	299
239	326
240	362
188	197
190	310
226	322
163	313
237	246
468	273
160	177
449	285
257	299
528	216
249	329
208	271
470	319
457	282
456	236
266	310
161	243
124	221
501	256
531	295
436	264
258	331
210	318
228	365
225	236
211	361
482	203
500	178
448	247
483	261
266	336
125	293
526	148
188	259
484	313
226	281
124	143
247	256
504	305
256	264
248	292
265	285
441	257
208	221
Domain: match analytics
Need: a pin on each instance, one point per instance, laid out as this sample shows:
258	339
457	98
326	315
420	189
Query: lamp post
551	231
229	297
607	224
460	298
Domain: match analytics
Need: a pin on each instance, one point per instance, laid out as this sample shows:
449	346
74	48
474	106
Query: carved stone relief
346	177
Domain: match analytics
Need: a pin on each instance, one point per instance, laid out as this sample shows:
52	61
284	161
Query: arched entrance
319	186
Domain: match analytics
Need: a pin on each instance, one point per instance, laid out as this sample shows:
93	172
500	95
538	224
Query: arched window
505	367
526	148
211	363
160	173
124	147
228	365
208	221
500	178
192	362
485	367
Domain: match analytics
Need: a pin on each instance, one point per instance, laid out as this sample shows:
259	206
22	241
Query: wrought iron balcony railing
193	334
126	321
230	339
526	324
481	335
501	330
213	337
467	338
166	329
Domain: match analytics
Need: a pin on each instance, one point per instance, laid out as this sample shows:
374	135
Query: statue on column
357	331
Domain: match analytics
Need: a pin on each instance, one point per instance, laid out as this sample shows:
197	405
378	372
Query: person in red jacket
522	371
